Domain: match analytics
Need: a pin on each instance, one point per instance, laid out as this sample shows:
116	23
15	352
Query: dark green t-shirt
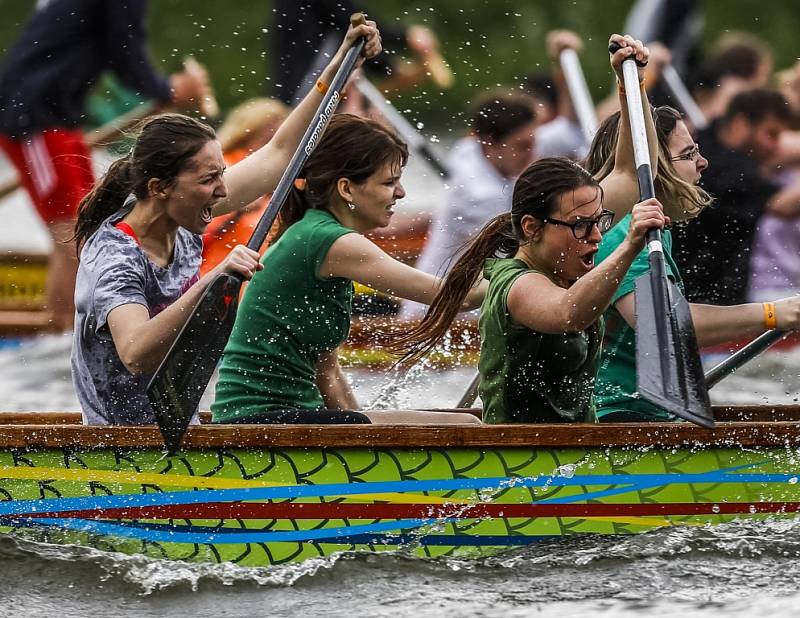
527	376
288	316
615	390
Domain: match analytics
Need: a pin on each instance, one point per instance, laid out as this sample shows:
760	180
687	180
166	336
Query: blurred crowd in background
742	110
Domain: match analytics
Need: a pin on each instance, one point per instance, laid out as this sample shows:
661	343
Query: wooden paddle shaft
207	105
579	93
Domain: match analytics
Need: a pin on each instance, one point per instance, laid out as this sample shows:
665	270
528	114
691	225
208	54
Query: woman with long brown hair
139	237
680	167
281	362
541	321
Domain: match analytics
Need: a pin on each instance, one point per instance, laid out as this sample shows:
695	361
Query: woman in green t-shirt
680	166
540	322
281	362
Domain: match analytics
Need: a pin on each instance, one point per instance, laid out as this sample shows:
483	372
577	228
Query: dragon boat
268	495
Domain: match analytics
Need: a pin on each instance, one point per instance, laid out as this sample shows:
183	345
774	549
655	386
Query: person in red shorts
63	49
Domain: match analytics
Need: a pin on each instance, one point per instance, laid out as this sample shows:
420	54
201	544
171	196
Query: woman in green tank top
680	167
540	322
281	361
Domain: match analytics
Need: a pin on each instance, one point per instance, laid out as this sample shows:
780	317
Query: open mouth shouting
206	215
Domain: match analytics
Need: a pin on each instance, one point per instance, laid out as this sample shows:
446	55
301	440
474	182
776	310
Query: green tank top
615	389
527	376
288	316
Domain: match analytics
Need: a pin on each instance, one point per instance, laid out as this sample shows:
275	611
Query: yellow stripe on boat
182	480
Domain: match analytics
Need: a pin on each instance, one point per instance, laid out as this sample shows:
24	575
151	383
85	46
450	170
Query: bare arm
621	186
354	257
715	324
260	173
142	342
786	202
541	305
331	382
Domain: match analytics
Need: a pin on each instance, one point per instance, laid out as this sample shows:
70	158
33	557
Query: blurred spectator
541	88
740	61
44	82
484	166
298	32
713	250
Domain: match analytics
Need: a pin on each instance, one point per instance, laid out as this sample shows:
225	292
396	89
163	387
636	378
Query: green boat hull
275	505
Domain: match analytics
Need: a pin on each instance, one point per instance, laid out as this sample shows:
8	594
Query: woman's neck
531	257
348	217
155	231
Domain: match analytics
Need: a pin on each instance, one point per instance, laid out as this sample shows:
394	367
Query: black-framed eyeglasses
691	155
582	228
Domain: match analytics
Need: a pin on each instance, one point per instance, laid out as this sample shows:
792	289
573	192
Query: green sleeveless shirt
288	316
615	389
527	376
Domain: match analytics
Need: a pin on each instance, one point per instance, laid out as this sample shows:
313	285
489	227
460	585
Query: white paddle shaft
684	99
579	93
641	153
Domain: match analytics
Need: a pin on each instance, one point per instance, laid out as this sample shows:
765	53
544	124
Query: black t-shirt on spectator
713	249
62	50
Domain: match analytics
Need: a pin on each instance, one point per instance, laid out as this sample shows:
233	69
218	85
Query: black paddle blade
668	369
179	383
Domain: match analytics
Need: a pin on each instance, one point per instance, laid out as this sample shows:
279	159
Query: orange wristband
321	86
770	319
621	87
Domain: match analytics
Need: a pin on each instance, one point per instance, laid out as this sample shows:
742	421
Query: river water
735	569
731	569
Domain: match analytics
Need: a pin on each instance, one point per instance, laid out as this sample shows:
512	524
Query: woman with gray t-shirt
138	237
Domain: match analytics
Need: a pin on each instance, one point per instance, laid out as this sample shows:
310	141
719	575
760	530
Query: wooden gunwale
60	430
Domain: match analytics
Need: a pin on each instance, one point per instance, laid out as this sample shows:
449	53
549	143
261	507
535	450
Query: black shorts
297	416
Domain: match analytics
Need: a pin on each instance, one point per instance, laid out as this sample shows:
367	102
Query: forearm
786	202
259	174
588	298
142	348
715	324
622	184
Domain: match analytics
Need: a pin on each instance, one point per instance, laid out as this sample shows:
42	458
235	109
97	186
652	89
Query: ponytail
536	194
497	238
106	198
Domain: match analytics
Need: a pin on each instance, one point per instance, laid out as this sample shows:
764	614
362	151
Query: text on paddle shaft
324	117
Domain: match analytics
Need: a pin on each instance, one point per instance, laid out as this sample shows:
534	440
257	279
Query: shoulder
110	246
613	237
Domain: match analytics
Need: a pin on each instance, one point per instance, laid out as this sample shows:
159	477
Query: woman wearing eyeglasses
541	321
680	166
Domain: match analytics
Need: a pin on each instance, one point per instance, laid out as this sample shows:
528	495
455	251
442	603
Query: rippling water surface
734	570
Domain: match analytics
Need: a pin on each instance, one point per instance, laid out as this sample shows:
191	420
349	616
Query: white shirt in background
475	193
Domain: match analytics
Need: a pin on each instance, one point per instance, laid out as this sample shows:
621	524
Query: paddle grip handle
310	139
614	47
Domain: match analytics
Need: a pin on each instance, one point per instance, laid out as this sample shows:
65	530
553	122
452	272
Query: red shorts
55	167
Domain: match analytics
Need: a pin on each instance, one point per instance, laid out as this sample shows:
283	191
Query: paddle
683	97
747	353
668	369
178	384
579	92
410	135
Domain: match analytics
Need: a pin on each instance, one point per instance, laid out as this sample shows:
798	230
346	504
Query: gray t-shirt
115	271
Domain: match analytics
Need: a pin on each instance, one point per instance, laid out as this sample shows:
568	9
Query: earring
351	206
